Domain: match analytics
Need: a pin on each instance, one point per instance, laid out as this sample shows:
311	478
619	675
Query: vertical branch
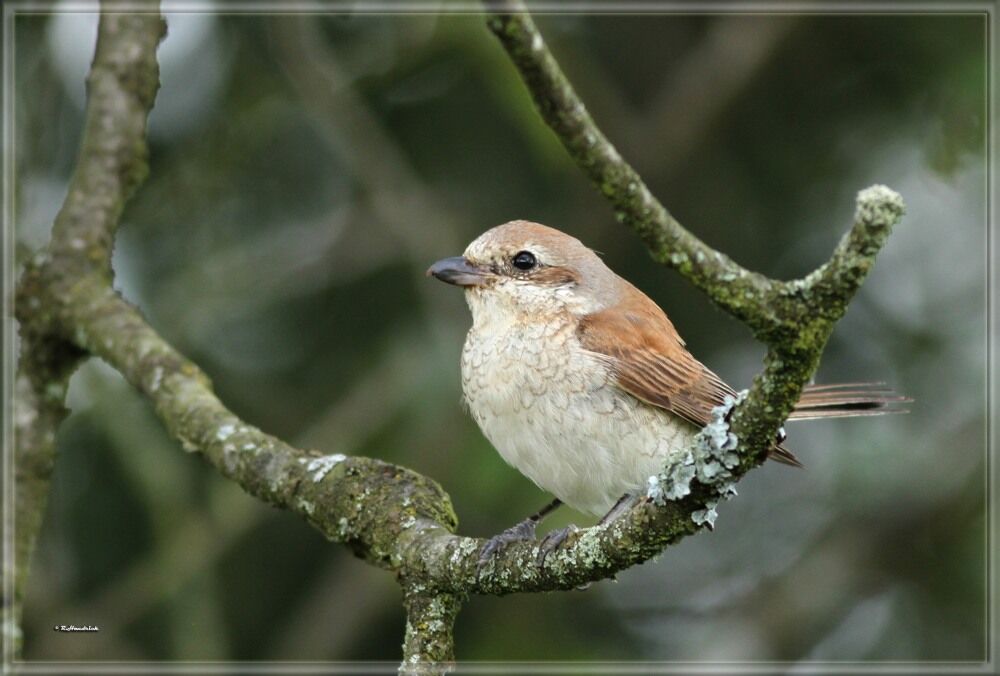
40	390
429	645
811	307
112	162
121	87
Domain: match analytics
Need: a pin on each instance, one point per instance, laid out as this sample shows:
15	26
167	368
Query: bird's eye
525	260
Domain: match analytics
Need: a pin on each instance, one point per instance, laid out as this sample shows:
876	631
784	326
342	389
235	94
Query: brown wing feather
650	362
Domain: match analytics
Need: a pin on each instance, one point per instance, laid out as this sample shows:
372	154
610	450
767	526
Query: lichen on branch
734	288
793	318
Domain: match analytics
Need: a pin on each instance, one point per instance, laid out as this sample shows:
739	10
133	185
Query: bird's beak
459	271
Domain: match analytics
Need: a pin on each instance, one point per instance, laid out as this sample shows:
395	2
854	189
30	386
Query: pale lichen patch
306	506
156	379
321	466
879	206
711	460
706	516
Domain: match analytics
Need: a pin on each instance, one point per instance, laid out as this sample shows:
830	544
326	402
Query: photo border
14	8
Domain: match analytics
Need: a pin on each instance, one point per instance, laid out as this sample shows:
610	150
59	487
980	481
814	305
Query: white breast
550	409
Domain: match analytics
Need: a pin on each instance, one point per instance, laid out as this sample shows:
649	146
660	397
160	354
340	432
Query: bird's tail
844	400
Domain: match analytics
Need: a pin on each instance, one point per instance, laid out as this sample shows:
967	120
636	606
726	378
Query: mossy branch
39	395
430	622
739	291
770	308
388	515
793	318
112	162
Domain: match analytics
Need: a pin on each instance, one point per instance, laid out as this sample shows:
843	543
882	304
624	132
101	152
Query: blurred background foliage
305	170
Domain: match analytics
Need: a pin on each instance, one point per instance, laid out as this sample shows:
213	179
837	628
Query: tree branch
737	290
40	390
793	318
122	85
429	644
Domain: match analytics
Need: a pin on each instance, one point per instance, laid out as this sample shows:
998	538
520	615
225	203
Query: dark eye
524	260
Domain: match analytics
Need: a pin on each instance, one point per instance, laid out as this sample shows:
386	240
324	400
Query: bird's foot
552	541
522	532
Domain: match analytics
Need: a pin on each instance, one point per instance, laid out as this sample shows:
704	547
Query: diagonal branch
793	318
735	289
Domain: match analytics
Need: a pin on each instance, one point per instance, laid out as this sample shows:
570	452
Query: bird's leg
624	503
552	540
524	530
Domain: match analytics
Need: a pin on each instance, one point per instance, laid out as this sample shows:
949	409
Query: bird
580	380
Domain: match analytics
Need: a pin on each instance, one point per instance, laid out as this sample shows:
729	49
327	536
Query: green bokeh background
305	170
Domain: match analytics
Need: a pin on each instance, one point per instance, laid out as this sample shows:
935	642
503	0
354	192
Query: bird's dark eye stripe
524	260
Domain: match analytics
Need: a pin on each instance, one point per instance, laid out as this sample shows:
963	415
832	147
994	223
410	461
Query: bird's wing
650	362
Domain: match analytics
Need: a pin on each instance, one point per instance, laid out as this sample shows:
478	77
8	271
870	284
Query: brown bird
580	381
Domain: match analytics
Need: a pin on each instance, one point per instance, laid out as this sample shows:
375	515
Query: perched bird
580	381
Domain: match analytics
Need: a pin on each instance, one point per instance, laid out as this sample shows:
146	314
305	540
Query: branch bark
121	86
794	318
40	390
388	515
430	622
737	290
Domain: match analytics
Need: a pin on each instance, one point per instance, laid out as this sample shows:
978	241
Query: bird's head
524	271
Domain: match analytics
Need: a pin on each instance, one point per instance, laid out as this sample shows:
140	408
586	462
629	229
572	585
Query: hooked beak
459	271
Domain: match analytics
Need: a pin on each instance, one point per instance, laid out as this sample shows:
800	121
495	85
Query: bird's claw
552	541
521	532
